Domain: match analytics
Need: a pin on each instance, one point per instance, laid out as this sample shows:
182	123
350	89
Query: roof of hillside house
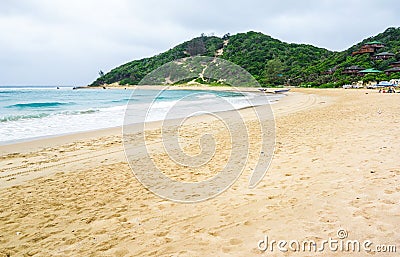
374	43
370	71
394	69
384	53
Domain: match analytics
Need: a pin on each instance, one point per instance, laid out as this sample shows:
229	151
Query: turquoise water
31	112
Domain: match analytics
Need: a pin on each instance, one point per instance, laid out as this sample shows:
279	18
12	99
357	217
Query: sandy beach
335	166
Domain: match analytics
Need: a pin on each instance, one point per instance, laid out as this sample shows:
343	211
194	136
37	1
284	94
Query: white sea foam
90	110
61	123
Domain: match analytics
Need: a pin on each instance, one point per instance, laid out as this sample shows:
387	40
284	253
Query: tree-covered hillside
269	60
338	61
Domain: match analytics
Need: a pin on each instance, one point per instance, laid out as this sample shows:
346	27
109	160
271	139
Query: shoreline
39	138
183	87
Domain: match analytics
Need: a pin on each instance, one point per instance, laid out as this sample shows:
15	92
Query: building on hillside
353	70
375	44
369	47
363	72
395	64
392	70
382	56
364	50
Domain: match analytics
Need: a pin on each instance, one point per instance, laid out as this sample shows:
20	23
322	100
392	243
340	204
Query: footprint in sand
235	241
389	202
389	192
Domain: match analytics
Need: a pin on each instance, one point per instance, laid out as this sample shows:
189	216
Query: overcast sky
66	42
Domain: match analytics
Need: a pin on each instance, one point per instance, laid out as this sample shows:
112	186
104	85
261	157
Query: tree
196	47
101	73
369	77
226	36
273	72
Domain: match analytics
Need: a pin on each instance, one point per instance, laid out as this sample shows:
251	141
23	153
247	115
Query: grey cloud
67	42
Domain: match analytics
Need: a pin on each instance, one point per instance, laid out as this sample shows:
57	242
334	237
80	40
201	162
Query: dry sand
336	165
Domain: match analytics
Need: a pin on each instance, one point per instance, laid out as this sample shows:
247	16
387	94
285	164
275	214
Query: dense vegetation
269	60
340	60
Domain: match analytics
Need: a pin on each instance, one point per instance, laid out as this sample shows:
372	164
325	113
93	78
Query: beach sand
336	166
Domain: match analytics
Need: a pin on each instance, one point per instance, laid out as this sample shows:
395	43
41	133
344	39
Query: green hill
271	61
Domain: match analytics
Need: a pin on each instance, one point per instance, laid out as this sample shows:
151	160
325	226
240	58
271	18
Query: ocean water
27	113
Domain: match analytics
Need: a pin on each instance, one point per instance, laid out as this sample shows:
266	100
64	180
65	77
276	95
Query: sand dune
336	165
